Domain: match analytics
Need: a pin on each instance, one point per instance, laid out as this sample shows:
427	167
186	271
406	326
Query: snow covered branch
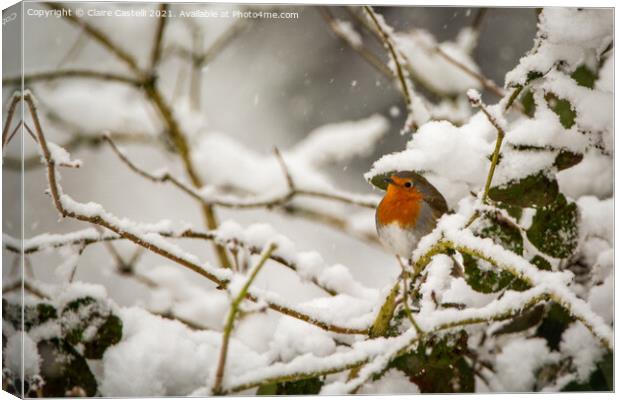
417	113
233	202
232	313
95	214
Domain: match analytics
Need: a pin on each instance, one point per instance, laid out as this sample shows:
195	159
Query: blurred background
270	84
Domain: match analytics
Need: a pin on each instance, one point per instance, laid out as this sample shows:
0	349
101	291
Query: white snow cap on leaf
567	35
419	48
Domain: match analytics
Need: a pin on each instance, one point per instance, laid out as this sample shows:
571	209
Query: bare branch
105	220
270	202
396	59
364	52
477	102
101	38
159	34
70	74
9	117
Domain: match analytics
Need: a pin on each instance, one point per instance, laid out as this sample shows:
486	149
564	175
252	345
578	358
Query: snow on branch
553	284
96	214
417	114
207	197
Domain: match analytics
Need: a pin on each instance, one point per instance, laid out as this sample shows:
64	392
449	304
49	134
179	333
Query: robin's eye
408	184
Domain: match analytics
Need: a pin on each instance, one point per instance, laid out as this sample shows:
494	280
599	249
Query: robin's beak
389	180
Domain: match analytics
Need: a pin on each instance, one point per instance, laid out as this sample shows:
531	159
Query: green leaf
270	389
584	76
523	321
554	324
563	108
34	315
90	322
438	365
482	276
489	280
535	190
501	231
541	263
566	159
529	105
554	228
513	211
302	386
107	335
64	369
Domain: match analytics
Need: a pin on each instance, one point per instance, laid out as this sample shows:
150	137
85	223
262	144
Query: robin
409	210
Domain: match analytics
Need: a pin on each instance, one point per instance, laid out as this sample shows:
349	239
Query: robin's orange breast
400	208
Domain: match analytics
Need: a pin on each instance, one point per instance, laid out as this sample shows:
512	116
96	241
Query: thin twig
101	38
396	59
476	102
232	314
68	74
485	82
362	50
103	219
279	200
9	117
159	34
148	83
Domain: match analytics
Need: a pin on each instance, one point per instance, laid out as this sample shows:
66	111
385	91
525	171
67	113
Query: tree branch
162	19
274	201
232	314
363	51
95	214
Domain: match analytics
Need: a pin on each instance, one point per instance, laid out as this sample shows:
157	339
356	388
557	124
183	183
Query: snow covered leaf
479	274
566	38
553	325
64	370
534	190
33	314
438	365
554	228
90	322
526	320
563	108
302	386
602	379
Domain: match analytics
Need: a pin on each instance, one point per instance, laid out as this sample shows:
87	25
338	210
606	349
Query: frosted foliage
568	36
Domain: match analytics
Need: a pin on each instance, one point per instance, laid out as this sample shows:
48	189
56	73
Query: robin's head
402	184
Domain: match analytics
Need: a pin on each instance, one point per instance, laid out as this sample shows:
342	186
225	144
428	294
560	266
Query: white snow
419	48
518	362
